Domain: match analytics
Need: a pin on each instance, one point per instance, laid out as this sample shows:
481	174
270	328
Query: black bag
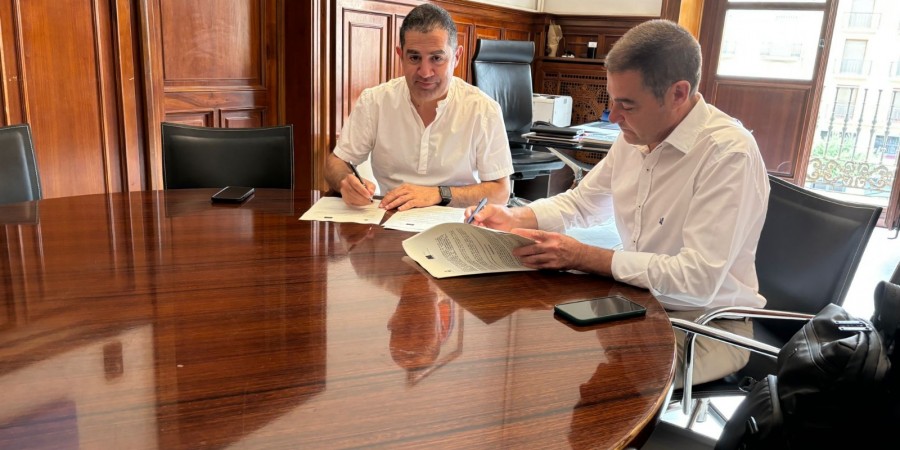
828	393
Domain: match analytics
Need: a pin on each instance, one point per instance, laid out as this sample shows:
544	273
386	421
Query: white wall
527	5
584	7
604	7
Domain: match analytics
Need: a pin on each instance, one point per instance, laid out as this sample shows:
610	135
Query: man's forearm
335	171
496	191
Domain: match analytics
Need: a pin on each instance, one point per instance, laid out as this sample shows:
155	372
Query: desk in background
159	320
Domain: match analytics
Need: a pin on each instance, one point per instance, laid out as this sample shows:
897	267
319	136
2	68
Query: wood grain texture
159	320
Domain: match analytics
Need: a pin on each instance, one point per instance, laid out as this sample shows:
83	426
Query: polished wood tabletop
161	320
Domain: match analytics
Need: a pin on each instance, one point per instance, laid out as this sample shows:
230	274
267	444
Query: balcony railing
865	21
856	147
854	67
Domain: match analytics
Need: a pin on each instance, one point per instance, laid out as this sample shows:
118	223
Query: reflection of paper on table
454	249
421	219
333	209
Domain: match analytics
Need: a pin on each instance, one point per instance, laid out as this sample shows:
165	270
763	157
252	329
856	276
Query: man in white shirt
433	138
687	188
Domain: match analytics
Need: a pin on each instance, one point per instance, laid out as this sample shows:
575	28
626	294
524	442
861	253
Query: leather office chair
808	252
202	157
19	180
502	69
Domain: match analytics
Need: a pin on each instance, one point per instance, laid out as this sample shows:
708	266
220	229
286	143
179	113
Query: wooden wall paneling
196	118
487	32
63	63
744	100
308	86
464	37
517	35
154	90
605	30
207	56
128	84
10	82
241	117
367	38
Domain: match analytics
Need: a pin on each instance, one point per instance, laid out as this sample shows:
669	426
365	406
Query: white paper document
333	209
455	249
421	219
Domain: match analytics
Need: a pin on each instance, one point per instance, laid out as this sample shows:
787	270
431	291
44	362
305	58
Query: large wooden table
159	320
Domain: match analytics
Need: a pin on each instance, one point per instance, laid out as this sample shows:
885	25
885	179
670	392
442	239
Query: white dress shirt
464	145
689	213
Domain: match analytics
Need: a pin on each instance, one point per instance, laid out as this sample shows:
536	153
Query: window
853	57
889	148
861	14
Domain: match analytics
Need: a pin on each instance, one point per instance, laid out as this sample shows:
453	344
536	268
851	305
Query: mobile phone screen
597	310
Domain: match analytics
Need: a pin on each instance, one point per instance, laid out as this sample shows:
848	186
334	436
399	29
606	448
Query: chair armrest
725	336
725	312
743	312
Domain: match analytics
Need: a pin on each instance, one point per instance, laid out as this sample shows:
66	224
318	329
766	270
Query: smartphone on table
233	194
599	310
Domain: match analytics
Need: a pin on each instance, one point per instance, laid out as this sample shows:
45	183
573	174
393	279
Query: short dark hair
425	18
662	51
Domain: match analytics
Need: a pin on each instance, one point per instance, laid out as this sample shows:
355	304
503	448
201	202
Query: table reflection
159	320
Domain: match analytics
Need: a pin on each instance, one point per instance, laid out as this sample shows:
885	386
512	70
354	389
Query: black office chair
808	252
502	69
19	180
202	157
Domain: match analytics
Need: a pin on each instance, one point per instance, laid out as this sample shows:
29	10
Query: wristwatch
446	195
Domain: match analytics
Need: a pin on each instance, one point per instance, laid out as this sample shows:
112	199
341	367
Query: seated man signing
433	138
688	191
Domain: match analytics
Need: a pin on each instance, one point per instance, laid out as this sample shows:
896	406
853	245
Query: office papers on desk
421	219
333	209
456	249
599	134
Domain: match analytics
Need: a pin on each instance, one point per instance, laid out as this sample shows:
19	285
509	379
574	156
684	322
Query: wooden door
68	70
764	65
211	63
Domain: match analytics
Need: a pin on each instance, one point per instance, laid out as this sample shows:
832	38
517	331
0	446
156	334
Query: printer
555	109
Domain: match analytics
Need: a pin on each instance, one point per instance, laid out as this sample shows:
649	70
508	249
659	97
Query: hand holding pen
368	192
477	209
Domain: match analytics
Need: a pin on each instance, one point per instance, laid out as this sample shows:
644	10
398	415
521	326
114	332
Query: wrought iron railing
856	147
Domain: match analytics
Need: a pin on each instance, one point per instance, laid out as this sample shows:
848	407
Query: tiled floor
879	261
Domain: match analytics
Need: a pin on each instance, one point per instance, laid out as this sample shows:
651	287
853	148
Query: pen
358	177
477	209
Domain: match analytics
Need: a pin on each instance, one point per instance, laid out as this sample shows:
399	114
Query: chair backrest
202	157
502	69
809	249
19	180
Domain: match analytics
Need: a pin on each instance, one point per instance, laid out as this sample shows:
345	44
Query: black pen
358	177
477	209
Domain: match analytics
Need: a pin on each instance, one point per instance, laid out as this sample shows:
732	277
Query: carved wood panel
585	83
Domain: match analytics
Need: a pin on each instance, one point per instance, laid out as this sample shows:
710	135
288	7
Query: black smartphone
598	310
233	194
